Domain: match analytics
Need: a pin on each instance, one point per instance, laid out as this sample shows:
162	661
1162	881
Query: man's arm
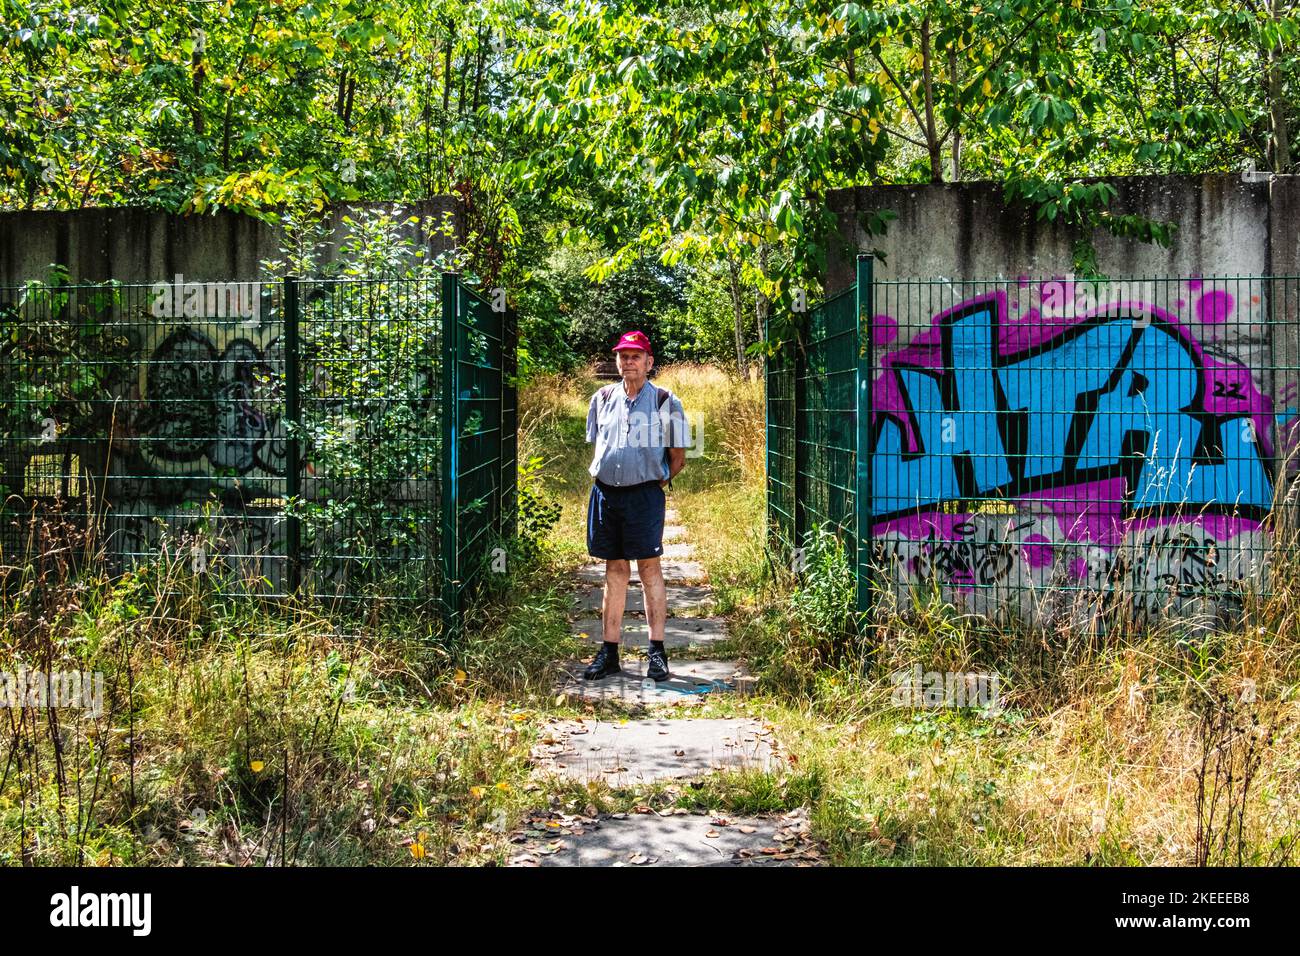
678	439
591	419
676	462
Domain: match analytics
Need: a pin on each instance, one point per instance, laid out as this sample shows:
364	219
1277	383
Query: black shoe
658	669
604	663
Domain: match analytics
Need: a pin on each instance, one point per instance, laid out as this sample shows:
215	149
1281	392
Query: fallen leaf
460	676
747	829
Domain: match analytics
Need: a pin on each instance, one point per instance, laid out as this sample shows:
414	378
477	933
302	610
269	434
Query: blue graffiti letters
1107	398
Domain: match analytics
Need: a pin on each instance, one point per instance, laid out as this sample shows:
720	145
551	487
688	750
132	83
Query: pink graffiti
1091	512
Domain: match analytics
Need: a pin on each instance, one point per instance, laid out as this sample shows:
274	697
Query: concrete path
680	633
661	747
683	599
674	838
646	751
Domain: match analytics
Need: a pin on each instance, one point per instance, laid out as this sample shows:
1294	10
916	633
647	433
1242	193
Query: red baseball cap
634	340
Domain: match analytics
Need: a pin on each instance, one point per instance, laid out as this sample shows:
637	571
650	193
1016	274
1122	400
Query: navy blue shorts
625	522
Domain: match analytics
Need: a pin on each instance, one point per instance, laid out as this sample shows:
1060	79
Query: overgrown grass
236	733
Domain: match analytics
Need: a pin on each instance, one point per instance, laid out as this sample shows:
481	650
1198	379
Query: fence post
800	484
863	492
510	387
292	447
450	424
769	536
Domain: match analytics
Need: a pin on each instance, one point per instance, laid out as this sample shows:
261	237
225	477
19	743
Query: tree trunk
737	310
196	106
927	77
956	126
1277	104
478	66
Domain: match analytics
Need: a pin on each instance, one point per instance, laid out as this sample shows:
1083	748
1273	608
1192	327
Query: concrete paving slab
682	598
676	839
645	751
688	682
679	632
674	571
679	551
674	532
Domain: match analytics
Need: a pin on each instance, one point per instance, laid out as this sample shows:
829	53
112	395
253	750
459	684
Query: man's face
634	364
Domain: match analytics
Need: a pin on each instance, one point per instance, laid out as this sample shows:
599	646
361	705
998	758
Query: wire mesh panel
149	417
779	430
482	454
299	436
1050	447
826	415
370	399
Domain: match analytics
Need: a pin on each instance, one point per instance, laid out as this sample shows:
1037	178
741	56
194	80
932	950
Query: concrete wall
193	418
1035	444
145	245
967	230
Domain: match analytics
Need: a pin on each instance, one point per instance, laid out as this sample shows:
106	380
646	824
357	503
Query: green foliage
823	603
632	298
59	363
704	329
538	512
692	132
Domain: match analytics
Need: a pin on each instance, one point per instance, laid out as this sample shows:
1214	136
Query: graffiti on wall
198	424
1021	440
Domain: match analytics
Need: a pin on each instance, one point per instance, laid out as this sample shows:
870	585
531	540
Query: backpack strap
606	393
664	395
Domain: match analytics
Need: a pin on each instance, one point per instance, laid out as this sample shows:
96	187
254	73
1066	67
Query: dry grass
233	733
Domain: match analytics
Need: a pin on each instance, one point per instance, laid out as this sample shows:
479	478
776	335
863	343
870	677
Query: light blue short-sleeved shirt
631	434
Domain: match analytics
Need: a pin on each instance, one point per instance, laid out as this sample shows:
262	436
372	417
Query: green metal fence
279	437
1046	447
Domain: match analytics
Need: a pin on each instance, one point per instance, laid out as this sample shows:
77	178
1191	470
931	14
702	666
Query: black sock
611	648
658	646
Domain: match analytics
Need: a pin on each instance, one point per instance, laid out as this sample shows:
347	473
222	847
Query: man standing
640	435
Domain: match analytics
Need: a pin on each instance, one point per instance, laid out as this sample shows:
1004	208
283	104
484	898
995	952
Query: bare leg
617	573
656	597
